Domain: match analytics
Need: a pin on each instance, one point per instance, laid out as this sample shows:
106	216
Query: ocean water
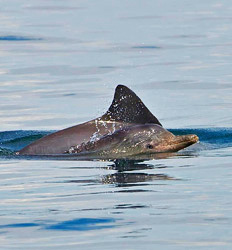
60	62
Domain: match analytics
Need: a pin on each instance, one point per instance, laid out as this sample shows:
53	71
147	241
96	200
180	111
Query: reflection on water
82	224
125	175
123	178
130	165
129	179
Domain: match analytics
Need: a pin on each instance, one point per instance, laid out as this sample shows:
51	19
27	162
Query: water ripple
19	38
82	224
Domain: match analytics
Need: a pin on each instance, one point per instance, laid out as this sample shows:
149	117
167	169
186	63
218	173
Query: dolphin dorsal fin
128	107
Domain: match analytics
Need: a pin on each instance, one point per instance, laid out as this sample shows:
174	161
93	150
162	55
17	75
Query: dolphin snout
187	138
183	141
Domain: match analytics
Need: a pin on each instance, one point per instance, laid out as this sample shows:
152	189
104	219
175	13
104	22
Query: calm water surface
59	64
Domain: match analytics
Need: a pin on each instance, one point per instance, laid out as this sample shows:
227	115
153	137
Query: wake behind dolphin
128	128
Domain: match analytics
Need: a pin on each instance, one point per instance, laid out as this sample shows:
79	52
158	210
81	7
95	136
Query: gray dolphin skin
135	140
128	128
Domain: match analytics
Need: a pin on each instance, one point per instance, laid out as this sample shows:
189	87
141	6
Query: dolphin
134	140
127	128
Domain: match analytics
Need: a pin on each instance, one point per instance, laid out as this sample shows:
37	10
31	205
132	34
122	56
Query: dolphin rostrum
128	128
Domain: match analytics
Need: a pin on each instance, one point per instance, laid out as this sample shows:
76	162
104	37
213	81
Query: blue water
60	62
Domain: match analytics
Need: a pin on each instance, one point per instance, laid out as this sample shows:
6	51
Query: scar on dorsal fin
128	107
